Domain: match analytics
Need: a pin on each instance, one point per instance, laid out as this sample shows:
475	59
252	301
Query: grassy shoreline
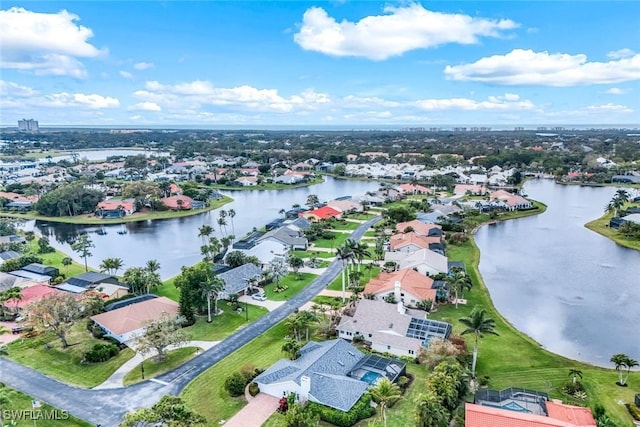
601	226
268	186
90	219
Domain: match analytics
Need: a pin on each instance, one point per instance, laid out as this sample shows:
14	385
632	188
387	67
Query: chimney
305	388
401	309
396	291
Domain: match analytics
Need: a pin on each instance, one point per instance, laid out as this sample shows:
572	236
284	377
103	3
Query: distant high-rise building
518	128
30	125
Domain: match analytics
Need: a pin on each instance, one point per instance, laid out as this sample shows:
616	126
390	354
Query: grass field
311	253
224	324
169	290
54	259
345	225
515	360
21	402
269	185
367	274
337	241
66	364
206	394
92	219
294	283
601	226
152	368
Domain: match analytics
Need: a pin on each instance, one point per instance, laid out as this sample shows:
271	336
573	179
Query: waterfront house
237	280
420	228
332	373
325	212
289	236
411	242
413	189
108	209
406	286
347	205
247	181
45	270
268	250
391	328
91	280
177	203
424	261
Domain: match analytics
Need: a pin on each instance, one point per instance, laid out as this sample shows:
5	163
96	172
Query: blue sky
341	63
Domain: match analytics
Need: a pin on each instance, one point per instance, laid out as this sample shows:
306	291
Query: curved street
108	406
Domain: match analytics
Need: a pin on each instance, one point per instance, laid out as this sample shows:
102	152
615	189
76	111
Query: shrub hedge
361	410
101	352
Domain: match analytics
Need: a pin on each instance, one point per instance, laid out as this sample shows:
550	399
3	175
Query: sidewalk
116	379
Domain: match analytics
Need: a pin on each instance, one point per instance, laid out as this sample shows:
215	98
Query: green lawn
269	185
21	402
169	290
54	259
337	241
330	301
152	368
311	253
92	219
360	215
206	394
65	364
336	285
224	324
295	284
345	225
601	226
527	364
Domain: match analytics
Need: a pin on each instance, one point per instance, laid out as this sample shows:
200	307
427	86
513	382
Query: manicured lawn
295	284
601	226
515	360
269	185
54	259
361	215
345	225
336	285
92	219
152	369
21	402
65	364
169	290
206	394
337	241
371	233
224	324
311	253
330	301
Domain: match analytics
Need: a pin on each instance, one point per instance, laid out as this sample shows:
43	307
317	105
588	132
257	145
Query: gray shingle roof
236	279
286	236
9	255
89	278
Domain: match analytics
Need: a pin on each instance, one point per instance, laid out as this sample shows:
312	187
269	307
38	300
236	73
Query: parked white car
259	297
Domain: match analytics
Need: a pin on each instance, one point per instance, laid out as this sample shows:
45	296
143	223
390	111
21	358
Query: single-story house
91	279
12	239
332	373
633	218
345	205
267	250
178	202
7	255
287	236
29	295
8	281
299	224
420	228
425	261
126	323
236	280
411	242
406	285
413	189
288	179
35	277
111	291
392	328
325	212
115	208
473	189
45	270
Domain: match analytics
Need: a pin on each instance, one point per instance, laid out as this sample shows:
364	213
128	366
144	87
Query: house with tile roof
332	373
420	228
126	323
247	181
391	328
29	295
425	261
237	280
345	205
406	286
413	189
325	212
411	242
115	208
178	202
472	189
560	416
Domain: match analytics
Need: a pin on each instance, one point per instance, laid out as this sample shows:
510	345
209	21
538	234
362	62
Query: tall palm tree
204	232
66	261
622	195
429	411
232	214
222	223
385	393
360	252
478	324
458	282
215	247
344	254
210	289
282	212
111	265
575	374
623	361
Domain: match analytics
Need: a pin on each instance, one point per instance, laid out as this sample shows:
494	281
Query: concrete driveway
107	407
256	412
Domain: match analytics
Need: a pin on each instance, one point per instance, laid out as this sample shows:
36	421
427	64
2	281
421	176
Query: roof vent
340	363
352	353
390	325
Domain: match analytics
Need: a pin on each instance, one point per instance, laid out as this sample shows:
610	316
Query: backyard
152	368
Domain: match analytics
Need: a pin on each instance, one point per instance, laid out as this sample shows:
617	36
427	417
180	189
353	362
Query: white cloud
399	30
617	90
11	89
621	53
143	65
92	101
609	108
17	97
145	106
45	43
126	74
506	102
526	67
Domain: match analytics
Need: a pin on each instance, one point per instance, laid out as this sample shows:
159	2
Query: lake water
175	242
572	290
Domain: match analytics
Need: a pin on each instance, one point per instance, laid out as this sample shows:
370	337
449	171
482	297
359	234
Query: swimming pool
370	377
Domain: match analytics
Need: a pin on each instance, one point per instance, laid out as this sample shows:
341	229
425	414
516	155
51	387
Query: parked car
19	329
259	297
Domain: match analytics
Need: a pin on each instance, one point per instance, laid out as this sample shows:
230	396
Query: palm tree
379	250
478	324
152	266
111	265
215	246
210	289
66	261
222	223
282	212
360	252
385	392
575	374
458	282
232	214
306	319
291	347
204	232
296	263
344	254
429	411
623	361
622	195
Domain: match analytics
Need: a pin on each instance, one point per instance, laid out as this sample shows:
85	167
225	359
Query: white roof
635	218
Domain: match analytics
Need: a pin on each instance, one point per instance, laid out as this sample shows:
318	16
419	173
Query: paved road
107	407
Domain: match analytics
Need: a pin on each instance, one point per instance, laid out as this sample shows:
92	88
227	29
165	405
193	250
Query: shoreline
279	187
90	219
601	226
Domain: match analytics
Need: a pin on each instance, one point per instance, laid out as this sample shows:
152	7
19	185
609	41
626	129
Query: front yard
66	364
367	274
224	324
152	368
293	283
338	240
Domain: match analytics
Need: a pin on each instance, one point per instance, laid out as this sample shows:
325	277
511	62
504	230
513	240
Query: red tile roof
575	415
410	188
127	205
172	202
175	189
485	416
32	294
398	241
410	281
419	227
15	197
324	212
132	317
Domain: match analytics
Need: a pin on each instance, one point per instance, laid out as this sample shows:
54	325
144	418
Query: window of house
388	347
369	335
410	351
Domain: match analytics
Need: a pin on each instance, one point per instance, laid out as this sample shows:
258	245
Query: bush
254	389
101	352
572	388
235	384
361	410
634	411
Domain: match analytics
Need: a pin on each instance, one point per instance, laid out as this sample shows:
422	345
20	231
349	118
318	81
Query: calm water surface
572	290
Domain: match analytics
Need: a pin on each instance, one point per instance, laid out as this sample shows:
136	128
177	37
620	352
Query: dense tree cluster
69	200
